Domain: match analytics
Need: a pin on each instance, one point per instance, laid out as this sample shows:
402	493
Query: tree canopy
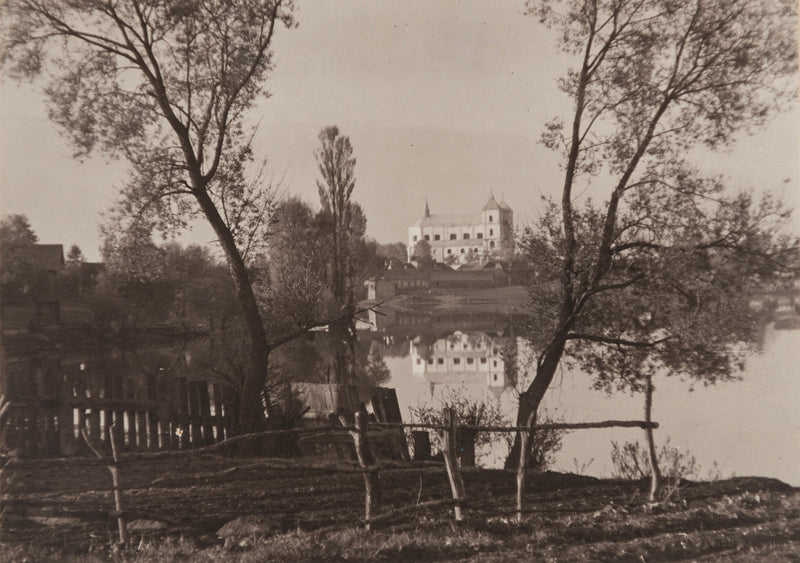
167	86
17	238
654	271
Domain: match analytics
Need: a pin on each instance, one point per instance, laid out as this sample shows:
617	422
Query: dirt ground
277	510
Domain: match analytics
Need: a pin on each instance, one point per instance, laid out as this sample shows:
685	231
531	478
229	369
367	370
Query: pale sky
442	100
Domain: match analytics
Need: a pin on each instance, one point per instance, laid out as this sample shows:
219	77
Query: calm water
748	427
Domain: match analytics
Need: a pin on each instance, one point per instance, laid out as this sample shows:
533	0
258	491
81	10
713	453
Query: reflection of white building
465	358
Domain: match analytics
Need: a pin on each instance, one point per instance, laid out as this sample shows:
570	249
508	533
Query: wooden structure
150	411
327	401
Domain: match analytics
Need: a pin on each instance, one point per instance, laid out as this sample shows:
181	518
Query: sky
443	101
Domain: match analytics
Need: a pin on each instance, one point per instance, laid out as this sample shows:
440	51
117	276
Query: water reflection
747	427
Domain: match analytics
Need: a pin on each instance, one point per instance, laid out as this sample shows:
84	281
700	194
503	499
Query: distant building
37	302
460	239
402	281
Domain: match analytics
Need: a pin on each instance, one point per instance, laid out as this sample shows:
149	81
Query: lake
745	427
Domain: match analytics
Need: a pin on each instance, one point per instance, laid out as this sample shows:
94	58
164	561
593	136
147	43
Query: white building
460	239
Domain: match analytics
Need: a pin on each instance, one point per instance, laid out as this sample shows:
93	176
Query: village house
461	239
37	302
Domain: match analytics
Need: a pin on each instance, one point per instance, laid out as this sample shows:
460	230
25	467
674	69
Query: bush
485	412
632	461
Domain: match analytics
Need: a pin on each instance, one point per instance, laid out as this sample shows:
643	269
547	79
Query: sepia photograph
357	280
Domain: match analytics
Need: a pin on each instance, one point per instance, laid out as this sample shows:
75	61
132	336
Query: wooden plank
194	414
205	411
183	413
218	411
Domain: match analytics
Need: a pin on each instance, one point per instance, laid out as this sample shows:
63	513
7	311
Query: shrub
632	461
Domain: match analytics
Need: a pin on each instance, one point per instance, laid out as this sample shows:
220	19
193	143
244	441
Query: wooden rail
368	464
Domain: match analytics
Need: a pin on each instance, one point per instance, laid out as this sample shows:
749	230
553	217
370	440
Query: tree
166	85
422	254
298	261
16	238
337	168
74	256
654	79
393	251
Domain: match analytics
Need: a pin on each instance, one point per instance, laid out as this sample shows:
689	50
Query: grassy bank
218	509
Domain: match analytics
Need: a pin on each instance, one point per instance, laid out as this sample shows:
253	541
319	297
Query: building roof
492	204
46	256
449	220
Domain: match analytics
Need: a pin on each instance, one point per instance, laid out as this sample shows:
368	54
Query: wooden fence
369	464
149	411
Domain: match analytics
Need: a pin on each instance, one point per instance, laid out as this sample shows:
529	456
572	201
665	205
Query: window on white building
462	251
456	361
453	236
427	237
470	361
491	244
415	238
440	361
436	237
449	250
480	235
491	232
491	218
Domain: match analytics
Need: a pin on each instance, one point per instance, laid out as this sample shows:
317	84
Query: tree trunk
530	399
251	409
655	472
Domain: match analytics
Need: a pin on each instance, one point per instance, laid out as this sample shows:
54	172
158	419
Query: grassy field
211	508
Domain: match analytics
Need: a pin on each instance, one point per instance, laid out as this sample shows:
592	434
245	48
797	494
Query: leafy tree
166	85
655	79
74	256
298	261
336	165
16	238
422	254
393	251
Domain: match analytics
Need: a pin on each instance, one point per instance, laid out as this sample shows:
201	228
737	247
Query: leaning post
451	463
113	468
366	461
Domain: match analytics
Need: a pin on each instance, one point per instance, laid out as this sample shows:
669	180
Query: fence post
655	472
366	460
449	451
422	444
113	468
522	467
